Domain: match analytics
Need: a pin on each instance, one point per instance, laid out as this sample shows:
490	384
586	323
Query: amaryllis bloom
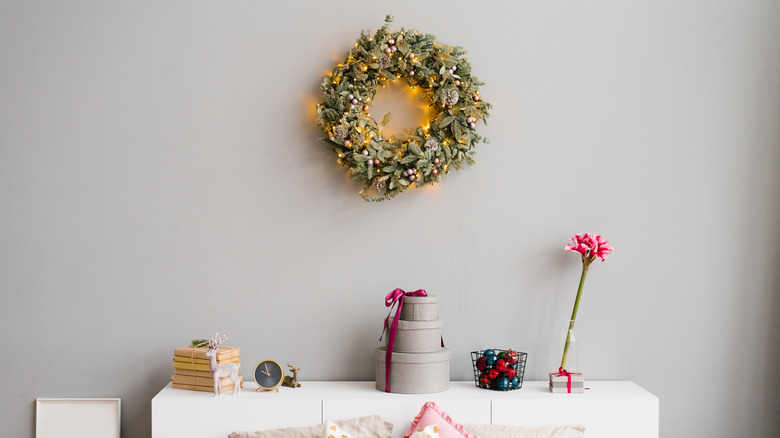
590	246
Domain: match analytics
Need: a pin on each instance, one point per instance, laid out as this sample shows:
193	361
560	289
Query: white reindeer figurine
218	371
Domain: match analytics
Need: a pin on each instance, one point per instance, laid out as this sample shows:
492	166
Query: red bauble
492	373
510	373
482	364
511	357
501	366
484	380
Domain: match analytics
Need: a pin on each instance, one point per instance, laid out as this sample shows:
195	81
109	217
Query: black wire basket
499	370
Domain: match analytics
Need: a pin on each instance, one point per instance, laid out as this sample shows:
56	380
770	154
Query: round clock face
268	374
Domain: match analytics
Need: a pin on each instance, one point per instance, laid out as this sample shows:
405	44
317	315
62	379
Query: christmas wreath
387	165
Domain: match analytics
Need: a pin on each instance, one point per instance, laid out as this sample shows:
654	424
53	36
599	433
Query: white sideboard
608	409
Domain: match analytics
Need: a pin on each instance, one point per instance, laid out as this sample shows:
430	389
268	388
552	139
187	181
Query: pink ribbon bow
396	296
563	372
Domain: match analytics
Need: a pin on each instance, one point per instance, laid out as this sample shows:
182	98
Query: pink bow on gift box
396	296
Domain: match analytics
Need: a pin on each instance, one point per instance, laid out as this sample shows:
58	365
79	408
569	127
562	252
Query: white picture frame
81	417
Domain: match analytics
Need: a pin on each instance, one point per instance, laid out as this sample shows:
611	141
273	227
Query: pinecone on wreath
432	145
380	185
384	62
339	132
451	98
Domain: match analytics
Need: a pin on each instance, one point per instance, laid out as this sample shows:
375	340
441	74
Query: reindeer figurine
218	371
292	382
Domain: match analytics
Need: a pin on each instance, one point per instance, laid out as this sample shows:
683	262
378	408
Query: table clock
268	375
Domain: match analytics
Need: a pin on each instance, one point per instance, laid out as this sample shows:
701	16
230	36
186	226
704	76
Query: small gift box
567	382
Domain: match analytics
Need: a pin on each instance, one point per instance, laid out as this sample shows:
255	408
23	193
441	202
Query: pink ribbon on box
563	372
396	296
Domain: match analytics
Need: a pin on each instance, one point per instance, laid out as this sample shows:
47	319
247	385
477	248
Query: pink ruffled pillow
432	414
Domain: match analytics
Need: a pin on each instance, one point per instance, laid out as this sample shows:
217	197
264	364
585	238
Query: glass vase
566	347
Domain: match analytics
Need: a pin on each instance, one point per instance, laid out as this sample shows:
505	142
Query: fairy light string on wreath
386	165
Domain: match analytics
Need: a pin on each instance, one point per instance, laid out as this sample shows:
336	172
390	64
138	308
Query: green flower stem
585	265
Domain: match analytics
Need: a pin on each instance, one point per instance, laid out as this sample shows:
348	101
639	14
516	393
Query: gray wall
160	180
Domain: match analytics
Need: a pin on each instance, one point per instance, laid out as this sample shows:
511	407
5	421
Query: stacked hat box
419	364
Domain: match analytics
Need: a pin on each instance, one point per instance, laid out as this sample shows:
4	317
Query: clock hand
266	369
267	374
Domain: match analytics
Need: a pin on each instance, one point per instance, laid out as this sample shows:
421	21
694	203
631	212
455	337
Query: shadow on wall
319	165
770	405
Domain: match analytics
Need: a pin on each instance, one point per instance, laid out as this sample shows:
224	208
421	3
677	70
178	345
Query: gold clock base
267	390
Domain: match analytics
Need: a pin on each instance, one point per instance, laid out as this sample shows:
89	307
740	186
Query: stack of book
191	368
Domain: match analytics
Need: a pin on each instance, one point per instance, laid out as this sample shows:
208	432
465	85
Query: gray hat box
414	373
417	336
420	308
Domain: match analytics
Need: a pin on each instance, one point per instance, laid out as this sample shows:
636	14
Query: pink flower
590	246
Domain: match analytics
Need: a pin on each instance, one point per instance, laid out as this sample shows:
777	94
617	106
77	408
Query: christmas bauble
510	373
501	354
515	382
481	364
501	366
484	380
511	357
493	374
503	383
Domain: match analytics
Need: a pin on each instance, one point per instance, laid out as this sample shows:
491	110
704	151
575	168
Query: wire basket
499	370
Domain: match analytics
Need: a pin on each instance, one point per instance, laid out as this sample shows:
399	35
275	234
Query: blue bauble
503	383
491	359
515	382
488	353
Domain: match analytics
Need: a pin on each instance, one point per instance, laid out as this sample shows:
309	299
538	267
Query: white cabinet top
536	390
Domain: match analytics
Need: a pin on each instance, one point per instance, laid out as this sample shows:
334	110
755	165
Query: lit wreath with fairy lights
386	166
